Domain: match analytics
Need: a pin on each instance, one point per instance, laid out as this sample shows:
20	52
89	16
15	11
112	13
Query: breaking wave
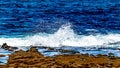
65	36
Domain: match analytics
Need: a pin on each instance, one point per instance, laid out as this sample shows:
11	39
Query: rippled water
29	17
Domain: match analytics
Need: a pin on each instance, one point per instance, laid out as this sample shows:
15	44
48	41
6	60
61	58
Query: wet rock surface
9	48
2	55
34	59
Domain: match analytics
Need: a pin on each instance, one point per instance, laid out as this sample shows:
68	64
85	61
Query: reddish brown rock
33	59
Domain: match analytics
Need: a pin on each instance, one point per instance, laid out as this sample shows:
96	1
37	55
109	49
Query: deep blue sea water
35	16
85	17
56	23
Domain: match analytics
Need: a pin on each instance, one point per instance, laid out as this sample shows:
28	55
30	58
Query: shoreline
34	59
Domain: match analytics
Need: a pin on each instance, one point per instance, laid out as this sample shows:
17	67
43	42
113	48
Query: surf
65	36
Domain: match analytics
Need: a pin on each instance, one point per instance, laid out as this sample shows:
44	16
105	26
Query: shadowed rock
9	48
2	55
5	46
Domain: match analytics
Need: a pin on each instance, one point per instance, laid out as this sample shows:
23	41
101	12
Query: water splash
65	36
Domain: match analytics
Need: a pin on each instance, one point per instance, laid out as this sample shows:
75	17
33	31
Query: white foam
65	36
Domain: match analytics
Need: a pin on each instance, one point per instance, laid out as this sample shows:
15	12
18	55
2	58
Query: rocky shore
32	58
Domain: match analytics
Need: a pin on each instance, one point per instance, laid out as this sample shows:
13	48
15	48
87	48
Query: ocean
82	25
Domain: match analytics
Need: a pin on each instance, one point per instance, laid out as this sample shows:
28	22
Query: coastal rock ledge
34	59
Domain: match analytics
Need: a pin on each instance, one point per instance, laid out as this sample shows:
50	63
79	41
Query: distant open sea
57	23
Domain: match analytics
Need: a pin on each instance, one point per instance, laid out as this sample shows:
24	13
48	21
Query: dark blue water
23	17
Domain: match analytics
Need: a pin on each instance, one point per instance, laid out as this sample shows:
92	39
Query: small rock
5	46
9	48
69	51
1	55
49	48
32	49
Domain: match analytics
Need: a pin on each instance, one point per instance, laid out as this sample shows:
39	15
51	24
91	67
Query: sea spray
65	36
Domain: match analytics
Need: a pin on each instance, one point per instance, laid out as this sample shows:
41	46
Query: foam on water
65	36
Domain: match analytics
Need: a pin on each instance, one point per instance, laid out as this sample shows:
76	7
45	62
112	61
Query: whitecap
65	36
